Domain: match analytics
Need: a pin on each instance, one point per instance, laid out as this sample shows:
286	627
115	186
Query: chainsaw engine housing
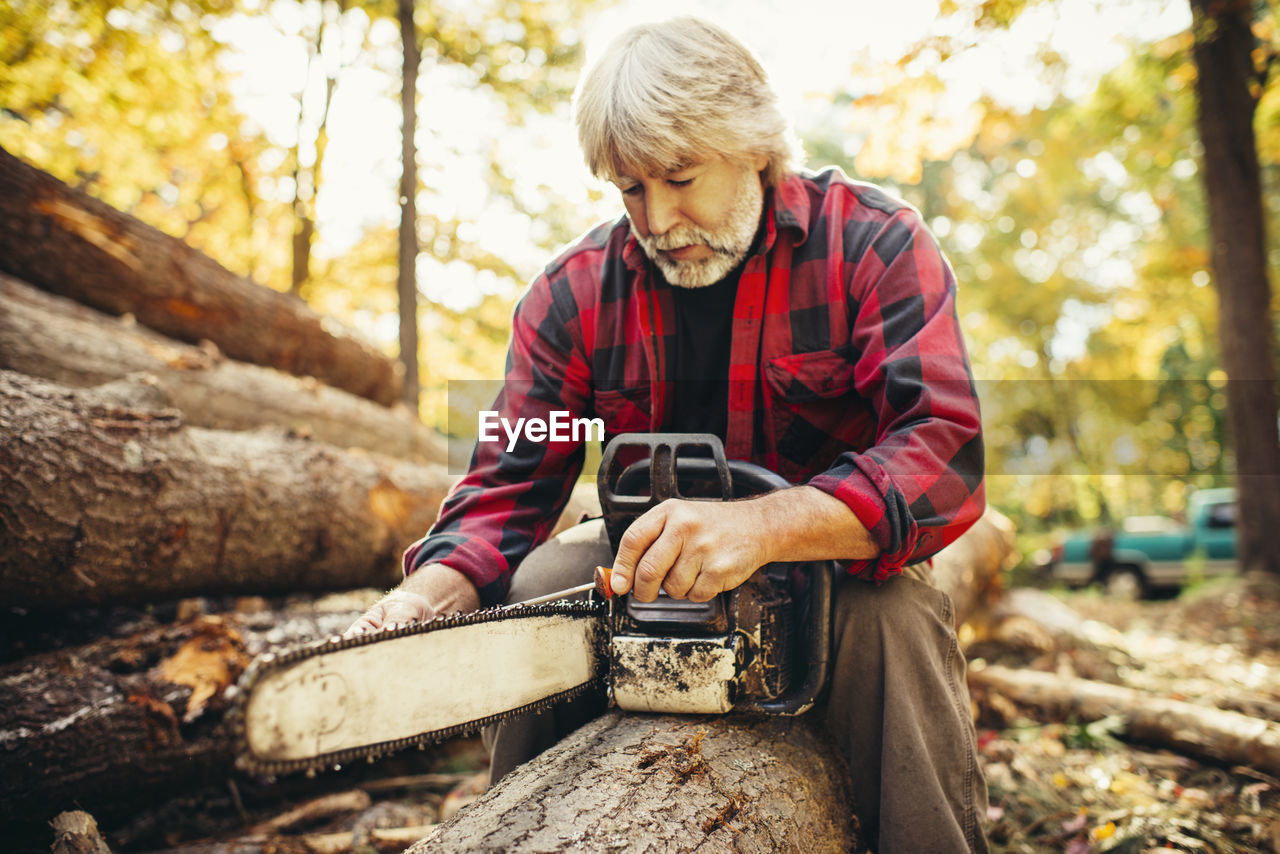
740	651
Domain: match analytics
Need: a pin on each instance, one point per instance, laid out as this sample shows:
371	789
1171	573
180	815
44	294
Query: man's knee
902	606
563	561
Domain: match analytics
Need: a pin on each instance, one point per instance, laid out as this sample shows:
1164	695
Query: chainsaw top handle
640	470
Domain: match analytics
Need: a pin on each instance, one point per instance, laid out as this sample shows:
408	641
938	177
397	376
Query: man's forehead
655	170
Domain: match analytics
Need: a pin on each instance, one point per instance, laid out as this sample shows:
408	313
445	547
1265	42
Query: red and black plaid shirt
847	372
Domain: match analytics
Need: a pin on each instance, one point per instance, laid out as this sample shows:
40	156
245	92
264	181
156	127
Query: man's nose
661	211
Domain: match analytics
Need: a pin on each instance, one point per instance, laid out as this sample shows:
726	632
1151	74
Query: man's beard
730	242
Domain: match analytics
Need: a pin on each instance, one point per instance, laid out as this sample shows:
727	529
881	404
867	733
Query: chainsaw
762	648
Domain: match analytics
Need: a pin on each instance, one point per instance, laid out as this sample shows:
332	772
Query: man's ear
759	162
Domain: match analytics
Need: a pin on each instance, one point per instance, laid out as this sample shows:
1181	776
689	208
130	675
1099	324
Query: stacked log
120	723
110	499
214	437
53	338
67	242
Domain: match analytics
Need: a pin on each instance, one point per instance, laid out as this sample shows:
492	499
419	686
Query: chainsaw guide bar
330	702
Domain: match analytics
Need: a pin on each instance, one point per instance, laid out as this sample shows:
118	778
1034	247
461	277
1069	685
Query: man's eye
633	190
681	183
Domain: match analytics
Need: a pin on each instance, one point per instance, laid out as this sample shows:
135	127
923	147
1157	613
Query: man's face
698	221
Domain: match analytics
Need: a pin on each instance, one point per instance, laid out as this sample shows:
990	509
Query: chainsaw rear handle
625	471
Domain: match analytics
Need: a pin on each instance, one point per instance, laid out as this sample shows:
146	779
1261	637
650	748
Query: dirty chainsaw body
763	647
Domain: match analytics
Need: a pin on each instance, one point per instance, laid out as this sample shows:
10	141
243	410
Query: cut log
969	569
104	499
72	244
54	338
1200	731
119	724
660	783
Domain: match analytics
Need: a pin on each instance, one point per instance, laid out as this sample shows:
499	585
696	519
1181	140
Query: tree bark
104	499
1203	731
65	241
115	725
1223	51
53	338
665	783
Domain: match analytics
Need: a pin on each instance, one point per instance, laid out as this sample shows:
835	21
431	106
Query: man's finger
635	542
397	608
654	564
681	577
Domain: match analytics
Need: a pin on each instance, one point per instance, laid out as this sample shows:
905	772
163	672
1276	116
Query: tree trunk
407	278
660	783
1203	731
52	338
115	725
65	241
104	499
1224	61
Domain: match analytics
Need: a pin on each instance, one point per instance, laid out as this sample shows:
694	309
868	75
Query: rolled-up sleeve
920	484
509	500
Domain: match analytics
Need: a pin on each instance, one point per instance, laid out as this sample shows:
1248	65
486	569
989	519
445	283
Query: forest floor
1074	787
1055	787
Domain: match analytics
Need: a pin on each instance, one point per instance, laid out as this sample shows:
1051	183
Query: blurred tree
407	268
1229	84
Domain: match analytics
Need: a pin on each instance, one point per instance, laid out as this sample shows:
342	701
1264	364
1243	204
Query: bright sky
809	47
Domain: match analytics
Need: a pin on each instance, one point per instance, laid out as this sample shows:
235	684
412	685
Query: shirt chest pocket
799	378
816	413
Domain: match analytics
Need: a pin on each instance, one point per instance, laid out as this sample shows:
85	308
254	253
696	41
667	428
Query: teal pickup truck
1149	553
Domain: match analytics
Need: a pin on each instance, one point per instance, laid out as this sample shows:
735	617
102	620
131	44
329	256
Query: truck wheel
1126	582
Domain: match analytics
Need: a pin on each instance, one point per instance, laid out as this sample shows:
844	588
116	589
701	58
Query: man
808	321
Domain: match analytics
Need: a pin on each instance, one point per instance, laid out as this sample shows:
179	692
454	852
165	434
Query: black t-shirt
704	330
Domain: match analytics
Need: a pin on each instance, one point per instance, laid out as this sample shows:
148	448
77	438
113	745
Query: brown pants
898	706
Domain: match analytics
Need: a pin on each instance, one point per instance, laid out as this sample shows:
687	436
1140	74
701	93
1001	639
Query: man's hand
697	549
691	549
433	590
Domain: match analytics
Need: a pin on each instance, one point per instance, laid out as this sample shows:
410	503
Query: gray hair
665	95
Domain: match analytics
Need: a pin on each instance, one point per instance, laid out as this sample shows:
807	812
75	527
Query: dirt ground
1074	786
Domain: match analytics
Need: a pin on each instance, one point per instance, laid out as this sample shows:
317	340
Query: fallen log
106	499
968	570
51	337
658	783
1201	731
61	239
116	725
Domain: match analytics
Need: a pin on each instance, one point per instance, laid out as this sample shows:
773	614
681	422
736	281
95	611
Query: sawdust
684	759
